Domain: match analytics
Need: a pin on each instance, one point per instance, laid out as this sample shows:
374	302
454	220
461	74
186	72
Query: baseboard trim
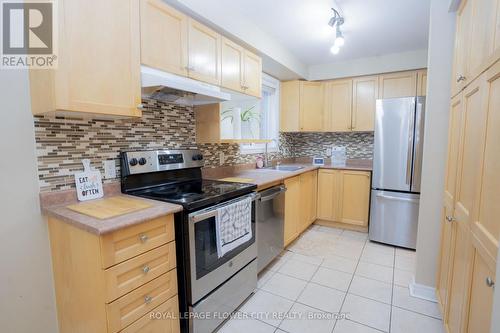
422	291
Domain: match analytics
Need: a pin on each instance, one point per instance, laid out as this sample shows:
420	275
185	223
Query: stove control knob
142	161
133	161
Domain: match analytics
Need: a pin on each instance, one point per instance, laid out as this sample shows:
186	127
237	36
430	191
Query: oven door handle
203	215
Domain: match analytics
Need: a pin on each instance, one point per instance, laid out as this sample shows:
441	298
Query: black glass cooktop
197	193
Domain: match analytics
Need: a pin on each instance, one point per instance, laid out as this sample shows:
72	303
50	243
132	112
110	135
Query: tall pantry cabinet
470	231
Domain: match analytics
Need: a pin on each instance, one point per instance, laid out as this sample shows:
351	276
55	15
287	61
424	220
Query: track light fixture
335	22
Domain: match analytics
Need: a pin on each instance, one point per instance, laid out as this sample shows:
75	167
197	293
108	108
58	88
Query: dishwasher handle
272	193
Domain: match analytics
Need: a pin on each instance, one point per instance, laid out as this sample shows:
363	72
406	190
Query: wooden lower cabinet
93	294
292	209
344	196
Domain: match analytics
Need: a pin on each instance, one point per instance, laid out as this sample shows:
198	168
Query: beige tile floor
328	271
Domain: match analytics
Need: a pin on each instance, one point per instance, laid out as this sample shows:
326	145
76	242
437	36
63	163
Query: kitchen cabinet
204	53
98	61
400	84
338	106
311	106
119	293
241	69
290	106
292	209
462	32
422	82
344	196
365	94
308	199
164	37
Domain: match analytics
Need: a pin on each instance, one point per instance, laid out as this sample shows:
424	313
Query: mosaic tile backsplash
62	142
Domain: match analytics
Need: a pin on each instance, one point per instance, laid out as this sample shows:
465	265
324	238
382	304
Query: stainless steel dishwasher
270	224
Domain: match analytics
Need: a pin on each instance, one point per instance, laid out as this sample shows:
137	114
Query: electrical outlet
328	151
222	158
109	169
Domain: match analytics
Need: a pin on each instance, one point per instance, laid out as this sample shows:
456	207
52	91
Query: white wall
366	66
441	40
26	284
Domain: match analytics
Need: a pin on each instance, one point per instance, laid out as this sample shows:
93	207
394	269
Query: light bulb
339	41
335	49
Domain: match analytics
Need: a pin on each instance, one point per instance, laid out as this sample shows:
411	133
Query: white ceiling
372	27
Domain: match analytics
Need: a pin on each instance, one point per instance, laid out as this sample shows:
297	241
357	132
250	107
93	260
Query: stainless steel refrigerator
397	167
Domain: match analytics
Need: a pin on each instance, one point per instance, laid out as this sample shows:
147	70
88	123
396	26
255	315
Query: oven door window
205	246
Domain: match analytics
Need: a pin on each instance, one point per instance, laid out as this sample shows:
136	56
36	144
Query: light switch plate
109	169
222	158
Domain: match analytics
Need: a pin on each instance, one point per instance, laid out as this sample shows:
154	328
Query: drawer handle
148	299
146	269
143	238
490	283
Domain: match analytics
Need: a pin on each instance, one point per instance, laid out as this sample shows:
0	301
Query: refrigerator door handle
411	127
388	197
417	159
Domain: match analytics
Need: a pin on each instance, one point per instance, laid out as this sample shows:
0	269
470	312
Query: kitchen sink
285	168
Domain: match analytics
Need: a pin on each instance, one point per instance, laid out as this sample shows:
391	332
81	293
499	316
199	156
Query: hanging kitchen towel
233	225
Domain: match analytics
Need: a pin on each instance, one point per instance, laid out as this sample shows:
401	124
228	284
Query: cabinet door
327	194
486	227
311	106
289	106
163	37
422	82
306	200
482	34
481	294
460	55
204	50
292	209
338	106
447	235
232	65
314	206
99	60
252	76
354	197
401	84
365	94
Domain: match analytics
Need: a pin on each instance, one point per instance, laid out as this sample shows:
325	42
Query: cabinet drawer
132	241
163	319
133	273
135	304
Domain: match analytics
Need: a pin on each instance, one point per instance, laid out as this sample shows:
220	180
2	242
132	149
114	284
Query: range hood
171	88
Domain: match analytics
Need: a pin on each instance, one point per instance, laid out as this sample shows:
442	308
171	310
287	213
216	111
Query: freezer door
418	145
394	218
393	152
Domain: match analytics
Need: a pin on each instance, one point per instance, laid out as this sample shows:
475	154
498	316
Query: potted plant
242	121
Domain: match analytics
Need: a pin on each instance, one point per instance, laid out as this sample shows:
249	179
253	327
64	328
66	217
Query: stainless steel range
210	287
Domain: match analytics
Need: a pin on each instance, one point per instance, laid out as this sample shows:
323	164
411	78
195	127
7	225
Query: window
268	117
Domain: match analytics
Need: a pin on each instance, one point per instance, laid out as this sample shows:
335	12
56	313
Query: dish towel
233	225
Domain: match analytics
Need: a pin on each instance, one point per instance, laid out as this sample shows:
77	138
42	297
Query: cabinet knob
140	106
450	218
147	299
143	238
461	78
146	269
490	283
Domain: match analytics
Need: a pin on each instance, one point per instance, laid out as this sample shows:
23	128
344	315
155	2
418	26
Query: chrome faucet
266	153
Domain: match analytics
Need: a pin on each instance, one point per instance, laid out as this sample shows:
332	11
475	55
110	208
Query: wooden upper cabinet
252	74
311	106
204	53
365	94
290	106
400	84
338	106
354	196
164	37
232	65
460	72
99	61
422	82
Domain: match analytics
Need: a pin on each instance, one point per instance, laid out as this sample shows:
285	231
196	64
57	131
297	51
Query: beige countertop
266	177
54	204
